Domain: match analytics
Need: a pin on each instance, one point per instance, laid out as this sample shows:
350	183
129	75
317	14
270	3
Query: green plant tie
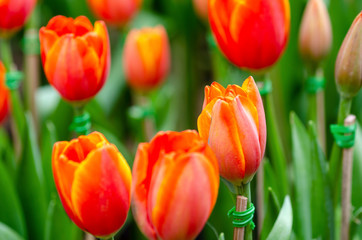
13	79
266	88
344	135
315	84
242	219
81	124
31	44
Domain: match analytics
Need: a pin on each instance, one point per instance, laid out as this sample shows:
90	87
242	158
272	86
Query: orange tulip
4	95
14	13
115	12
200	7
233	123
146	58
251	33
94	182
175	185
76	56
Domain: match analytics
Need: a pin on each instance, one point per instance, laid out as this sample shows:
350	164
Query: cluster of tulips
174	182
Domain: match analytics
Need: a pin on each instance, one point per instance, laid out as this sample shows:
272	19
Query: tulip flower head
348	70
201	8
4	95
252	34
94	182
315	22
175	185
13	14
115	12
146	57
75	56
233	123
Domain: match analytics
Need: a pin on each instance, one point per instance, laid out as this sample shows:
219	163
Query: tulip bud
200	7
93	182
13	14
75	56
146	57
115	12
233	123
348	70
315	35
175	185
251	34
4	95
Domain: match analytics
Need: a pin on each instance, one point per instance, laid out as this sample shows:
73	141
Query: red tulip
94	182
115	12
146	58
76	56
14	13
175	185
251	33
4	95
233	123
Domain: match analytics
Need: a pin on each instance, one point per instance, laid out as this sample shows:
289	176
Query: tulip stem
335	157
244	190
6	55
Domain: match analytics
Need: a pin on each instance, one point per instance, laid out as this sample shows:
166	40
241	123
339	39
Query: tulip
4	95
315	22
75	56
251	33
200	7
348	70
14	13
93	182
233	123
115	12
146	58
175	185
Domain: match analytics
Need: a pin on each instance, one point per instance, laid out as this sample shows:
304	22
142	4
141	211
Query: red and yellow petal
100	195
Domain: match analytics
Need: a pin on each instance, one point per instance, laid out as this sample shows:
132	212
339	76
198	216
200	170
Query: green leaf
7	233
7	155
30	184
10	208
302	170
49	137
357	169
321	196
58	225
271	180
282	228
271	213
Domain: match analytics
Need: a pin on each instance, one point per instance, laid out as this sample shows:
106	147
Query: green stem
335	162
244	190
275	143
312	107
6	55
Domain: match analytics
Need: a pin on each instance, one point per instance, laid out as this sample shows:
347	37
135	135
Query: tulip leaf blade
30	183
10	208
271	213
7	154
301	168
58	226
321	195
9	234
282	228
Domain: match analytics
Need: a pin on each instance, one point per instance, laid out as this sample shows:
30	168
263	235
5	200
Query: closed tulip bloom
146	57
251	33
75	56
315	34
348	70
94	182
175	185
14	13
4	95
233	123
201	8
115	12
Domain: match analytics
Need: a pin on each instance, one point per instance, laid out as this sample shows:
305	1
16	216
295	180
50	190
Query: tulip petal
170	205
100	192
47	39
224	140
252	91
100	29
204	120
82	25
